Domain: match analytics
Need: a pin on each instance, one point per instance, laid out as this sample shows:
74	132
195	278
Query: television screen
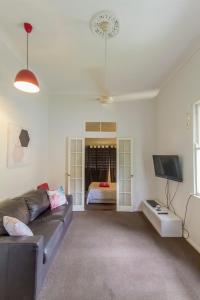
167	166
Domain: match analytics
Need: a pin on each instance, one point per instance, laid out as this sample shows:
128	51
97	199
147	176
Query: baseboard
137	210
125	208
78	208
193	244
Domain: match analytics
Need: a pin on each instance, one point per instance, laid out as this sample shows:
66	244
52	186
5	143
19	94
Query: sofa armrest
35	240
69	199
21	259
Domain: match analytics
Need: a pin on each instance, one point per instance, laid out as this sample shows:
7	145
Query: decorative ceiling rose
104	23
26	80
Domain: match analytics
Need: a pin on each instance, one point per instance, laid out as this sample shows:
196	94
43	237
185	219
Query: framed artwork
19	146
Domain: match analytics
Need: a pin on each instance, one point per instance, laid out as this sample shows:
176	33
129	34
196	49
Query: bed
97	194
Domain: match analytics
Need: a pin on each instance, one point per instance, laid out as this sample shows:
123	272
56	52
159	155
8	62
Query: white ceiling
155	37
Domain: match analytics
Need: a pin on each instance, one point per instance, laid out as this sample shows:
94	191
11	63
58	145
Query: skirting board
120	208
193	244
125	208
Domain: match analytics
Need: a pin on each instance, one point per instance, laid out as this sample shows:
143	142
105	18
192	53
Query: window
197	148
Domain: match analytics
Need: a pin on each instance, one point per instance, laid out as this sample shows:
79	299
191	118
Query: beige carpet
118	256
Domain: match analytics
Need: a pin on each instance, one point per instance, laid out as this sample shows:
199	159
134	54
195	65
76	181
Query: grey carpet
119	256
100	206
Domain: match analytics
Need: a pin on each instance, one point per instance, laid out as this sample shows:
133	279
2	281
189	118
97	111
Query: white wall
30	112
134	119
173	137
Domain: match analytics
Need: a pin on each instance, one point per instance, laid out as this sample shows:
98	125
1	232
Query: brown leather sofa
24	261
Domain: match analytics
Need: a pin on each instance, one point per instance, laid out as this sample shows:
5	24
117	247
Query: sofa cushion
15	208
37	202
62	213
51	231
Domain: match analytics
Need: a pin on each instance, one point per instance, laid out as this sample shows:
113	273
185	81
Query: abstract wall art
19	146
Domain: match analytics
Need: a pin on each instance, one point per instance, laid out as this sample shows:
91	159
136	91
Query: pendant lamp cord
27	51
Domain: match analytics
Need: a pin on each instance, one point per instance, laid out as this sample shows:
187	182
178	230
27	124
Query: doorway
100	174
75	172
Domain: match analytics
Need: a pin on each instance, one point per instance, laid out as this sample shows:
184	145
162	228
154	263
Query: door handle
132	175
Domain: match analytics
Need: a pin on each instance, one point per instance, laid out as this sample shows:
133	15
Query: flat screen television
167	166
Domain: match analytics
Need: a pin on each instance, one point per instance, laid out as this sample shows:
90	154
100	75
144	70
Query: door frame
68	164
68	184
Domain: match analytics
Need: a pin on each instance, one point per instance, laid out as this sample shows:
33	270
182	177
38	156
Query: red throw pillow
104	184
43	186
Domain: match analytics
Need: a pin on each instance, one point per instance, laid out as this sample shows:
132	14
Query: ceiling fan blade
150	94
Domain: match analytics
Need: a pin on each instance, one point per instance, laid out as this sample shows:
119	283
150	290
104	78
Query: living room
156	67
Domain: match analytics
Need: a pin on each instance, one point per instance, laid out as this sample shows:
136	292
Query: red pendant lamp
26	80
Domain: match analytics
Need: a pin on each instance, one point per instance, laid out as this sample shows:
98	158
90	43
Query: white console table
168	225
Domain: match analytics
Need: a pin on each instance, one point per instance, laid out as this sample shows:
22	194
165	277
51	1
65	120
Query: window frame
196	143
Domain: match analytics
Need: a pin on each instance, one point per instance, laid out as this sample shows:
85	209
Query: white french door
75	172
124	175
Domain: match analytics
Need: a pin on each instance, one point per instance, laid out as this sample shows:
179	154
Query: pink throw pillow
57	197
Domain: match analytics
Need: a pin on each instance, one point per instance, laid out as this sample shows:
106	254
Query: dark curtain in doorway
90	166
112	164
97	163
102	156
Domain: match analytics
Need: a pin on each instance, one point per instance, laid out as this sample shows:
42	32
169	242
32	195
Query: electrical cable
166	195
162	203
171	200
185	230
170	204
27	54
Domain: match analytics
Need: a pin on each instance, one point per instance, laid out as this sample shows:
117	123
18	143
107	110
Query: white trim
82	206
178	68
102	135
83	173
132	203
117	176
125	208
193	244
68	164
196	196
196	146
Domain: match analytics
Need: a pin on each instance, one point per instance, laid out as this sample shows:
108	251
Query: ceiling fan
106	25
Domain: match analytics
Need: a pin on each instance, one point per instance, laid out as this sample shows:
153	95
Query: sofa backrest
16	208
26	208
37	202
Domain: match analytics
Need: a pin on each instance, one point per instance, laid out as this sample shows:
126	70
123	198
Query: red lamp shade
26	81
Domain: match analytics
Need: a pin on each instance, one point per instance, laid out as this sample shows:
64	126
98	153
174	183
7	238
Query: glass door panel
76	172
124	191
